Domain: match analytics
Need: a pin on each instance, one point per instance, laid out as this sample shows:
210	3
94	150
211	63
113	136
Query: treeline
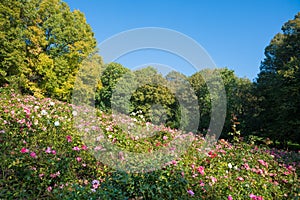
174	99
44	45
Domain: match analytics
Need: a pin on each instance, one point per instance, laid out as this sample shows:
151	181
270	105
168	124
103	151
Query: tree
185	110
201	91
152	96
278	85
42	46
246	107
111	75
88	81
12	44
237	90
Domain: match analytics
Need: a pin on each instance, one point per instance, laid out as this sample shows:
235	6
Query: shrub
46	155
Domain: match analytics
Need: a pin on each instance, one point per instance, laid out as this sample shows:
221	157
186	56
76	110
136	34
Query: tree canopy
42	46
278	85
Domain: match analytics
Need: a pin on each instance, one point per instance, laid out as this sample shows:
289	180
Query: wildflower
52	103
222	151
290	168
212	154
190	192
259	171
74	113
53	152
229	197
213	179
33	154
24	150
271	174
240	178
201	184
262	162
201	170
84	147
22	121
48	150
69	138
76	148
56	123
229	165
27	111
246	166
285	181
95	184
49	189
52	175
194	175
44	112
165	137
78	159
55	175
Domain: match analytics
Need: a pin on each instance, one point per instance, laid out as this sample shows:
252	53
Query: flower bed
45	155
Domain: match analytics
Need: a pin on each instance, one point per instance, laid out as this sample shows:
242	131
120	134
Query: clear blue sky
233	32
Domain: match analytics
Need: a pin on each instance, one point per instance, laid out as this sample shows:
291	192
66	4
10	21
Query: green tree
42	46
247	107
238	93
201	91
278	85
185	111
152	96
88	81
110	77
12	44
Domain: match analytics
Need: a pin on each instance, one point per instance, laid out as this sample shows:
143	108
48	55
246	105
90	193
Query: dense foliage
42	46
44	156
278	85
238	94
51	149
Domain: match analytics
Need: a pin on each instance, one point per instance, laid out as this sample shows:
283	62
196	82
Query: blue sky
234	33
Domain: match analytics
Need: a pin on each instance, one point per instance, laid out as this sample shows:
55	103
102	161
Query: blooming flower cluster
45	145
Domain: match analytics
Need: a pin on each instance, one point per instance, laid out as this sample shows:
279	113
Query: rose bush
46	154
